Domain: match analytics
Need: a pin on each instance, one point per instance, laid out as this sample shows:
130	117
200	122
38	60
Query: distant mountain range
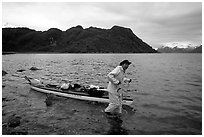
74	40
165	49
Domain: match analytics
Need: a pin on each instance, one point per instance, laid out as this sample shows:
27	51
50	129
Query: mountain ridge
74	40
166	49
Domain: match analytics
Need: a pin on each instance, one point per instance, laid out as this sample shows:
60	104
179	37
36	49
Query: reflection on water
116	126
116	121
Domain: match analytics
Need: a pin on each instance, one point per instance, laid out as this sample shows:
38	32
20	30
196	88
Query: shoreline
8	53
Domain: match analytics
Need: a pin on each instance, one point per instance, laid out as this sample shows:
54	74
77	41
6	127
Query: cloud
154	22
171	22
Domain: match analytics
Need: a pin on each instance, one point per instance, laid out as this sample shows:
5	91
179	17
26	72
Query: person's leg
113	103
111	107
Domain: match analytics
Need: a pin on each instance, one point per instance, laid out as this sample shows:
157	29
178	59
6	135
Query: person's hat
125	62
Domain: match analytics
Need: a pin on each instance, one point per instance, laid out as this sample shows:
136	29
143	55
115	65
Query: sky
156	23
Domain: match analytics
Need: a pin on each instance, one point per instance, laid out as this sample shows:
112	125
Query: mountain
166	49
74	40
197	49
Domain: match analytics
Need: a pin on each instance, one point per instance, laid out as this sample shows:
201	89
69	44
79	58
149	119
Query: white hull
75	96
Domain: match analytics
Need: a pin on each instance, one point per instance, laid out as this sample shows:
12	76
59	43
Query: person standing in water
116	78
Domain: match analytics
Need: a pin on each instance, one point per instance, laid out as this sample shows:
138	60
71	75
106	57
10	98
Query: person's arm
113	74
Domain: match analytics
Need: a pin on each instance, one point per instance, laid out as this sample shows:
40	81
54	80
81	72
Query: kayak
89	94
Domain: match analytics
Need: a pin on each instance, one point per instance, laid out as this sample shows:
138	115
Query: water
166	89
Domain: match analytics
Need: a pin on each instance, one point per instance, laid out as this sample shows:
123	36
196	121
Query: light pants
113	108
115	103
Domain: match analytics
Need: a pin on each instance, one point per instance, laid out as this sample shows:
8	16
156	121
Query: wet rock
21	70
4	73
75	110
12	131
5	129
14	121
4	99
34	68
48	100
3	85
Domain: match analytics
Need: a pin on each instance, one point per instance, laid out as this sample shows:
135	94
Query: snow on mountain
180	45
177	48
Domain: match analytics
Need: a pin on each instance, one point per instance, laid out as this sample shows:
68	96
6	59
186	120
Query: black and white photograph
101	68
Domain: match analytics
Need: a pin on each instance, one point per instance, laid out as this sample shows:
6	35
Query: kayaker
116	78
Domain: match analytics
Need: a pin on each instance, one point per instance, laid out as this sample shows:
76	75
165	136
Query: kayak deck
76	94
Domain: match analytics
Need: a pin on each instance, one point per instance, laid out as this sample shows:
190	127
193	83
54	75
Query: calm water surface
166	88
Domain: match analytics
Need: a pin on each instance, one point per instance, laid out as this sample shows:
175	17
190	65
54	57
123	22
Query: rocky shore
26	112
